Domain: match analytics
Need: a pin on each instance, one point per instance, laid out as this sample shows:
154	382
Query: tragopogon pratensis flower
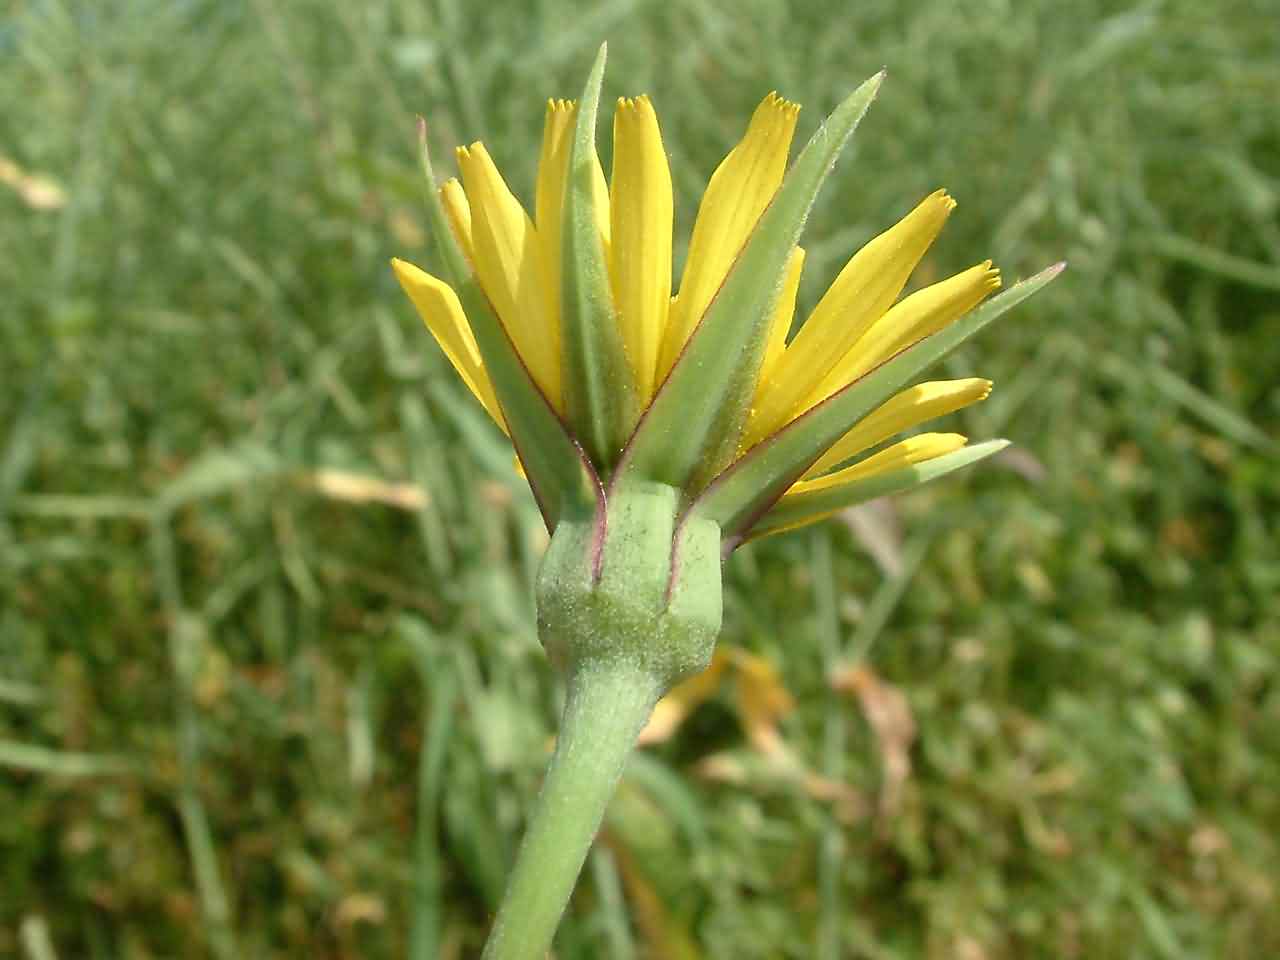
735	298
660	425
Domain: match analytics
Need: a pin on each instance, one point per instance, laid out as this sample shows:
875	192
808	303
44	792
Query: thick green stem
629	606
606	708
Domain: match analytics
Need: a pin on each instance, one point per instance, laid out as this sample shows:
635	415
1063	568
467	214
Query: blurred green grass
244	714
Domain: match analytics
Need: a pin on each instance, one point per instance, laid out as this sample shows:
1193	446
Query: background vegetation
268	685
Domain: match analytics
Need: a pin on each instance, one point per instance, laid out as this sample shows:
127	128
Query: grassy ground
249	711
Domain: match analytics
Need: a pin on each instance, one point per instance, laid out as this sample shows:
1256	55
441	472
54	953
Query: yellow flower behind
857	325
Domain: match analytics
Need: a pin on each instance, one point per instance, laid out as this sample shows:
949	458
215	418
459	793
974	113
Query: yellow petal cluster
858	324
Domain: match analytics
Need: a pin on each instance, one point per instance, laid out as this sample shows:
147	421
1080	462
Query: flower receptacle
634	585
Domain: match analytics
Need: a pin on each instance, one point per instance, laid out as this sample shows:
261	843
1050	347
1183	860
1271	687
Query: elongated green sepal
798	509
560	475
744	492
600	397
691	430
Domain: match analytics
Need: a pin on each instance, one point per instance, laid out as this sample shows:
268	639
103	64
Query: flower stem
606	707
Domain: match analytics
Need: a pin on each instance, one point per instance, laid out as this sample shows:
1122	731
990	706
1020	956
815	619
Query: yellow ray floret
863	291
548	203
439	308
905	453
509	266
641	209
908	409
553	169
923	313
913	450
454	200
738	193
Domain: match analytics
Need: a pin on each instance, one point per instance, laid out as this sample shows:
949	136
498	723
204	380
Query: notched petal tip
779	102
991	278
633	108
938	205
473	152
948	202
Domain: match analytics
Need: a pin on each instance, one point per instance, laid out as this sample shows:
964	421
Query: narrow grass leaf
62	763
20	694
221	471
36	941
1232	425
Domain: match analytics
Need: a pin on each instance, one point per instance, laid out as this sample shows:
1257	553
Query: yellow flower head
628	360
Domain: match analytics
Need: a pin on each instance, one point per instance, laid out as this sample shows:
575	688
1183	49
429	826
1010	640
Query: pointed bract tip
424	152
872	86
602	55
1058	267
869	87
595	78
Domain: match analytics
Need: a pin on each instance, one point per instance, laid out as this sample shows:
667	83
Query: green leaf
220	471
62	763
560	475
691	430
751	486
800	508
600	397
